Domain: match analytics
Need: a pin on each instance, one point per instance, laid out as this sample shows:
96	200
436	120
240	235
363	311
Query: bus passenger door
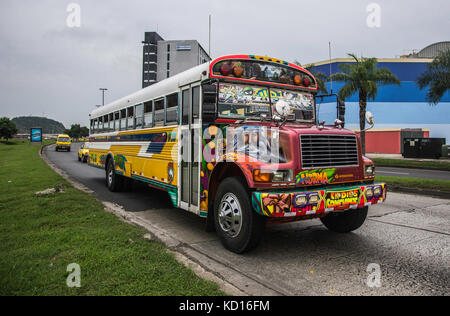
189	148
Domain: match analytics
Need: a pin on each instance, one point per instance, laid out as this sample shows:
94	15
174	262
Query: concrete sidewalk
400	157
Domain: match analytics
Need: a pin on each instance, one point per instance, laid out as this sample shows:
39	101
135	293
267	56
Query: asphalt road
408	237
413	173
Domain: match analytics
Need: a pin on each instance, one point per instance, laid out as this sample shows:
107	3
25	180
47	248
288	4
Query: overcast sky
50	69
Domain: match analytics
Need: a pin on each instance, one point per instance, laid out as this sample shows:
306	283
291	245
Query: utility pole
103	95
331	80
209	40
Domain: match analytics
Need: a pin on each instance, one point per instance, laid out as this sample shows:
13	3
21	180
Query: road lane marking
406	173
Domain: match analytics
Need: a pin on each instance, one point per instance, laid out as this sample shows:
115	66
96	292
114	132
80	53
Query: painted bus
237	141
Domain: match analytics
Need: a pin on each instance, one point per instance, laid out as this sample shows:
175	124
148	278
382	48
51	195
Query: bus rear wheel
113	180
347	221
239	227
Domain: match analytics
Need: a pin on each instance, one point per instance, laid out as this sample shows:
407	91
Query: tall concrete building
163	59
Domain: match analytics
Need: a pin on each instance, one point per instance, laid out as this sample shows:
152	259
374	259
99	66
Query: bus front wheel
239	227
347	221
113	180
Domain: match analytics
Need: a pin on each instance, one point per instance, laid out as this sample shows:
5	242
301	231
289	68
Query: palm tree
437	76
321	78
363	78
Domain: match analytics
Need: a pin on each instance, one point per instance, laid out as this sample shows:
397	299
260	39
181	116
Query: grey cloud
48	67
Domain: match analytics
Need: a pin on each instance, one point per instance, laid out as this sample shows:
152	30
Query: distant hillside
49	126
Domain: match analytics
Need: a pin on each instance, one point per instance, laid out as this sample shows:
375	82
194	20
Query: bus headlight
377	191
369	170
272	175
300	200
313	199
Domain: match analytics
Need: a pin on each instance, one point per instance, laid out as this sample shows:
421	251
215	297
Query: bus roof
159	89
196	74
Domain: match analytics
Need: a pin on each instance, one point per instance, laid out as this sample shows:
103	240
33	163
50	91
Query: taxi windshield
63	139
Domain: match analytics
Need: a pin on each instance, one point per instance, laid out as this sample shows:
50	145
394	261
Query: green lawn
41	236
428	184
436	165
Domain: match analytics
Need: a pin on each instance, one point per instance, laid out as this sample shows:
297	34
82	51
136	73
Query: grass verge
402	163
416	183
41	236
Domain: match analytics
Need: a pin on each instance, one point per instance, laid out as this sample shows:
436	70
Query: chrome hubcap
110	176
230	215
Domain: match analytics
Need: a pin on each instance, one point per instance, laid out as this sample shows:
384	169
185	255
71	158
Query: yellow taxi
83	152
63	142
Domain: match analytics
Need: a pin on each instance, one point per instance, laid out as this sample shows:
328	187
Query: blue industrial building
399	107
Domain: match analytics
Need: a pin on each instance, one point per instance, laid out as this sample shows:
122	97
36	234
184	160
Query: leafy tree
363	78
437	77
76	131
7	128
84	131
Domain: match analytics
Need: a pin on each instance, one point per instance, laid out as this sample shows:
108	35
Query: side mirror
209	107
370	118
338	123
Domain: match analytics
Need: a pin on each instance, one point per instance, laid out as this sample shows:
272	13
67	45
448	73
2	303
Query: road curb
410	167
432	193
212	271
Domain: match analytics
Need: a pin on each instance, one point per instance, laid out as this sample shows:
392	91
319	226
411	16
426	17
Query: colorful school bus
237	142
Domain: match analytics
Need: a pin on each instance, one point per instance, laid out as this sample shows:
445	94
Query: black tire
85	159
244	235
79	159
68	149
114	182
56	148
345	222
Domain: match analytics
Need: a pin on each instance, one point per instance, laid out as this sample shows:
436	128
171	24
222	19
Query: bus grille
324	151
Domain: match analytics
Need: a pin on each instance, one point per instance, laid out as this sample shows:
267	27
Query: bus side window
116	121
195	104
111	122
159	112
123	119
148	114
139	114
130	117
185	107
172	108
106	123
100	124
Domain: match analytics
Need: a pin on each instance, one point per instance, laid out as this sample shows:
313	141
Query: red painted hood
290	143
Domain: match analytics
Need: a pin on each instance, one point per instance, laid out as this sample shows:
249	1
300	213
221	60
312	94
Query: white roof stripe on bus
157	90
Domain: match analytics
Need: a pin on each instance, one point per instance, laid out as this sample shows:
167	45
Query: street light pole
103	95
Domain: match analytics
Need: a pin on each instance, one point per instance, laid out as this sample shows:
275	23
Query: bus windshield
244	101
